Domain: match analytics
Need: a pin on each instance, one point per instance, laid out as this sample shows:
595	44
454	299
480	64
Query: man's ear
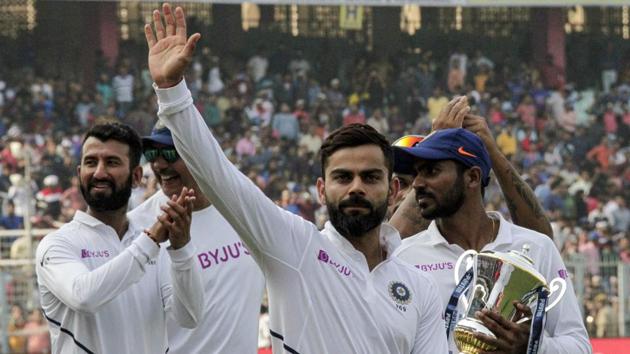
394	187
473	177
321	191
136	176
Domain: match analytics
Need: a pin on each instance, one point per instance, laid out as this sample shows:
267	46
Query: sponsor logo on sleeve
563	274
94	254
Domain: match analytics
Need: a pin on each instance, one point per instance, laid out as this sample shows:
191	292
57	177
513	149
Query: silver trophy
498	280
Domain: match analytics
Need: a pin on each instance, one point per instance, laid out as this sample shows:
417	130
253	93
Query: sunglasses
169	154
408	141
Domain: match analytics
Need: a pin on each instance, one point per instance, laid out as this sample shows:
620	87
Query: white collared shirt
322	296
232	283
101	294
431	253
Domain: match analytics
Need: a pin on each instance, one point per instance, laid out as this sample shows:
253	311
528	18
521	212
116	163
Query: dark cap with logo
447	144
159	135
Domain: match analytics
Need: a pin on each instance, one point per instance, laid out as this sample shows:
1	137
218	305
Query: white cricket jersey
322	296
101	294
232	282
431	253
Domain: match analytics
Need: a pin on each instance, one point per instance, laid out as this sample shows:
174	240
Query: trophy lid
523	254
518	259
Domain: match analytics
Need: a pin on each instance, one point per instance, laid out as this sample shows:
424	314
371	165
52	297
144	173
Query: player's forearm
85	290
407	218
188	293
217	178
263	227
525	209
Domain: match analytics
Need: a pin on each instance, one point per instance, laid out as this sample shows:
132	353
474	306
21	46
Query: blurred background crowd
272	107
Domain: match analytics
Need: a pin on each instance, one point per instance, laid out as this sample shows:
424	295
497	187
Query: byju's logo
94	254
215	257
563	274
323	256
430	267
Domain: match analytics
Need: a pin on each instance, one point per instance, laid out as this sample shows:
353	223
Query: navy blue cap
159	135
447	144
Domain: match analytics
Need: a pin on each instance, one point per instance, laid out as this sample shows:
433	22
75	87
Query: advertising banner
555	3
610	345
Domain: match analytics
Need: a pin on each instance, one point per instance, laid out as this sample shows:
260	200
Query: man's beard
356	225
101	202
452	201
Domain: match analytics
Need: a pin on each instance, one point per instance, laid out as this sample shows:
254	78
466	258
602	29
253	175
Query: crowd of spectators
270	113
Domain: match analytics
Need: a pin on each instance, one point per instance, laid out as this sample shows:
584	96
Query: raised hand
177	217
170	52
158	232
452	115
479	126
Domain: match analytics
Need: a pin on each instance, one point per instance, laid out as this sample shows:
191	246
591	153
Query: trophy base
465	338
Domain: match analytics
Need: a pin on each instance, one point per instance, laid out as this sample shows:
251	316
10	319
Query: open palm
170	52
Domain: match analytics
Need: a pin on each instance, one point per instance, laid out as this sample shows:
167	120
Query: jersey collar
504	235
84	218
87	219
389	238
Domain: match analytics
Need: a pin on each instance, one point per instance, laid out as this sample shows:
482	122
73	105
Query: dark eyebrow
372	171
114	158
96	156
339	171
364	172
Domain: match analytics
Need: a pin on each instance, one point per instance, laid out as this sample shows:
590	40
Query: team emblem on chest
400	293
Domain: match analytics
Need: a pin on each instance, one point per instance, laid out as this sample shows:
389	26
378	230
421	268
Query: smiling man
103	283
227	267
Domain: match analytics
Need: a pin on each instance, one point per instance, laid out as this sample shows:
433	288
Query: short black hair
121	133
354	135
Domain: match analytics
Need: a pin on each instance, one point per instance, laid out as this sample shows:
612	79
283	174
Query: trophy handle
555	285
469	255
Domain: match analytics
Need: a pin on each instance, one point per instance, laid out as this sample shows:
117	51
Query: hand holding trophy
499	280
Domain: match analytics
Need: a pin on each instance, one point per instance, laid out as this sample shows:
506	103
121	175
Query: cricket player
339	290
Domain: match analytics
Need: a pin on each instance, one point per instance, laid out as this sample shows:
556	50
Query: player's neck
116	219
370	245
469	228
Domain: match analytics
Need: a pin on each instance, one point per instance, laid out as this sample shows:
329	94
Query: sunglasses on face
408	141
169	154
